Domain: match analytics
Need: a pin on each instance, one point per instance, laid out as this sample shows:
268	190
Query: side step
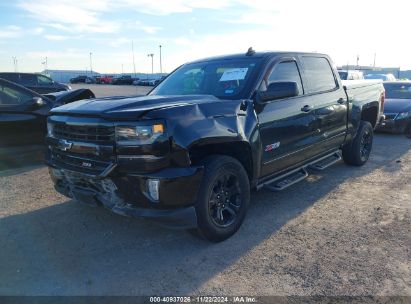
287	181
324	163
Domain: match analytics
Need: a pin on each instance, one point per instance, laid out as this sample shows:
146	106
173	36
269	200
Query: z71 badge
271	147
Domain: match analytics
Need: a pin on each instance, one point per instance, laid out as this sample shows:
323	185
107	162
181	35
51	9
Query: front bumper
127	194
397	126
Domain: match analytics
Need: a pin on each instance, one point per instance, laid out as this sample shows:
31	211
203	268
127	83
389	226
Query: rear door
329	102
21	122
286	128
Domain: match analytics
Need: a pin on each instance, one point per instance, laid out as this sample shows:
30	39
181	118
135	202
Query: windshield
225	79
343	75
398	90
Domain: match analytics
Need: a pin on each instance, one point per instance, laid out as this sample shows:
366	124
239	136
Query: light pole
134	64
161	66
122	70
91	65
152	63
15	63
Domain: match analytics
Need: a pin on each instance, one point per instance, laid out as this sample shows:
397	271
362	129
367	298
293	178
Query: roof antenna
250	51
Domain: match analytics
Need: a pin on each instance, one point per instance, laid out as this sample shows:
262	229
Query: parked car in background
157	81
397	109
124	79
23	112
189	153
79	79
37	82
350	74
383	77
106	79
146	82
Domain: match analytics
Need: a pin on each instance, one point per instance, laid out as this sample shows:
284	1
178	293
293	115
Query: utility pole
91	65
375	56
122	70
358	59
161	66
152	63
134	64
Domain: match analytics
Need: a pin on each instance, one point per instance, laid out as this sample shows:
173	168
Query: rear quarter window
319	74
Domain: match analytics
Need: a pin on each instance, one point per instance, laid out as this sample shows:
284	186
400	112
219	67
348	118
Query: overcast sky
67	31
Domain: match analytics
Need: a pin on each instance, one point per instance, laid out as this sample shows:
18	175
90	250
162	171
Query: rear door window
28	79
319	74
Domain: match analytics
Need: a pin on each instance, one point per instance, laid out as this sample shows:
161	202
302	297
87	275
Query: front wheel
358	151
223	198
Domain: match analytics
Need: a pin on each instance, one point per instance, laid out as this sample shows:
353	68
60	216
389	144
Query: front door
21	121
287	125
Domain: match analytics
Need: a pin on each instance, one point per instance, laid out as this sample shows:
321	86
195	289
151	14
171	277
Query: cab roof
264	54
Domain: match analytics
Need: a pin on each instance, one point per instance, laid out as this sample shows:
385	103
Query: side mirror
38	103
278	90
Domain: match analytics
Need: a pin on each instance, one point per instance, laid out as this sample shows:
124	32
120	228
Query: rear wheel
358	151
223	198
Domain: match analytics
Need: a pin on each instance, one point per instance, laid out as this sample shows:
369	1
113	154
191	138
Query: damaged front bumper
129	194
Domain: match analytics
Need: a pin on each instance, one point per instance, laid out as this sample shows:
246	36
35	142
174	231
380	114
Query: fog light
153	189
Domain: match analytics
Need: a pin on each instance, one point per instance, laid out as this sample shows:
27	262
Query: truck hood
135	106
397	105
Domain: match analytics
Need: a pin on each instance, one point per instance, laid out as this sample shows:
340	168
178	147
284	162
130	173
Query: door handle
341	101
307	108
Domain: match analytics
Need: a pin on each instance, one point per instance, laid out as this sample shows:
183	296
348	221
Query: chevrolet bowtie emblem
64	145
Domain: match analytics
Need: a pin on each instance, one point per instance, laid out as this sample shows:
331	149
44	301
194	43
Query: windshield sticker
234	74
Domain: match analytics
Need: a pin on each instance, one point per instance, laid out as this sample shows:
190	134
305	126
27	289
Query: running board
324	163
287	180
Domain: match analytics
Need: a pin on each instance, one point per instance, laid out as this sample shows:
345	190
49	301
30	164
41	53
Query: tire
358	151
223	198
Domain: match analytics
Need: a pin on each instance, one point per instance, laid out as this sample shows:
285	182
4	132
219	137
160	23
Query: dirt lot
344	231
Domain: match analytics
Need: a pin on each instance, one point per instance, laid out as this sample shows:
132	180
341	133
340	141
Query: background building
64	76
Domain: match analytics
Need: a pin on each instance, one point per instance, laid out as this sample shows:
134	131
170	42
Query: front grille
79	164
390	116
86	133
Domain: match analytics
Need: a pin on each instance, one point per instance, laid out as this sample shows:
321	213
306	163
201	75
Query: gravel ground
344	231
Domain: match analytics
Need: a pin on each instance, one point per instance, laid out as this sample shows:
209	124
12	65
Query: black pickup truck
189	152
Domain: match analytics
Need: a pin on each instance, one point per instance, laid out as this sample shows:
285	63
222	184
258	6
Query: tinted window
286	71
343	75
11	96
43	80
28	79
319	74
10	77
398	90
226	79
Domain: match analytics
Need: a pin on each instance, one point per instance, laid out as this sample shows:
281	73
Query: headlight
139	135
49	129
403	115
